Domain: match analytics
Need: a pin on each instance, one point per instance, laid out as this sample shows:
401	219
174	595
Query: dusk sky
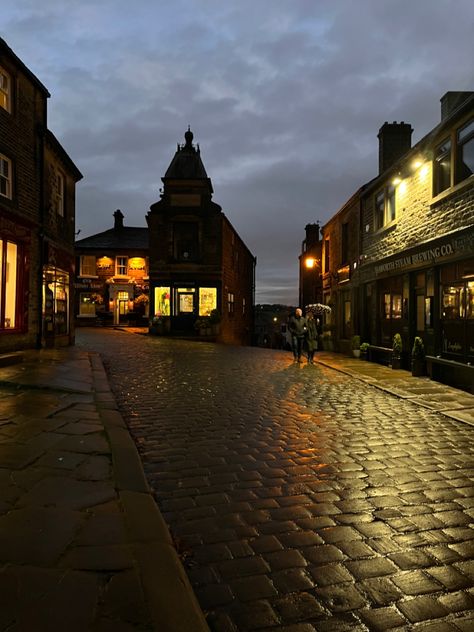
284	97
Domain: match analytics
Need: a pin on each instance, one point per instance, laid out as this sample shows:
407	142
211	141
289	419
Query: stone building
310	285
410	261
417	229
198	263
37	215
112	276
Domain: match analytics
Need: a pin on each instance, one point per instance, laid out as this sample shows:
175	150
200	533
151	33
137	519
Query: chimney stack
118	219
451	100
312	235
394	141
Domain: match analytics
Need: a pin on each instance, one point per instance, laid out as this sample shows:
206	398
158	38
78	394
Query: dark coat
297	326
311	335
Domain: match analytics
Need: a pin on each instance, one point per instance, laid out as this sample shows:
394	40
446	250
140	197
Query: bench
457	374
381	355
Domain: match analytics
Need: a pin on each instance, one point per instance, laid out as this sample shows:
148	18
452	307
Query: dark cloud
285	99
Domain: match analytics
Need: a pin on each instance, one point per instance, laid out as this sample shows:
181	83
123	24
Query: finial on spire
189	137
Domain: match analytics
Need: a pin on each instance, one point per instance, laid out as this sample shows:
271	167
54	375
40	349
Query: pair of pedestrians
304	332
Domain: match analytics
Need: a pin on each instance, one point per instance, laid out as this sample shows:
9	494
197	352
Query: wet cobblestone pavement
299	498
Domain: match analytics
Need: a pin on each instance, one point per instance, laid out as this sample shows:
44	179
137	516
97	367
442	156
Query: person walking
311	336
297	327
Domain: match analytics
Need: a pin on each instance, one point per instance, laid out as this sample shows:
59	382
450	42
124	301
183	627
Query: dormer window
5	90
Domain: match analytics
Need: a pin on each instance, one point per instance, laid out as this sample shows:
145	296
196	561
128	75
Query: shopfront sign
424	256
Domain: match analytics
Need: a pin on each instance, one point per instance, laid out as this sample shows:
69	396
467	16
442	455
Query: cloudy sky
285	98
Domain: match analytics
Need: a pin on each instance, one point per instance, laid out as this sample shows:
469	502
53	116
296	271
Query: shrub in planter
356	346
364	347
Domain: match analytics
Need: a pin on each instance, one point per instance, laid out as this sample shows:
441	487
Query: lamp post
310	280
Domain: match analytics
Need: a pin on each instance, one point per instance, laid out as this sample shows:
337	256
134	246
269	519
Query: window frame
230	303
60	193
7	178
118	266
385	206
6	94
460	143
83	273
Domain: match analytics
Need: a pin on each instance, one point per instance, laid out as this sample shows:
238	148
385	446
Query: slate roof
124	238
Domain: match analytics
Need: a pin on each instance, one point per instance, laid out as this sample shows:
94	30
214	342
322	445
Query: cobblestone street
299	498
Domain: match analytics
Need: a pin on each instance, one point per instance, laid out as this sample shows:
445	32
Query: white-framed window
465	155
230	302
9	269
385	206
5	90
60	193
5	177
87	266
121	266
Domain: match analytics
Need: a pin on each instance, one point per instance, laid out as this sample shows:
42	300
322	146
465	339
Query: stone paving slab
78	550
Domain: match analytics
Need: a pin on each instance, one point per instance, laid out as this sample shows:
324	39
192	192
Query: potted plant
327	339
364	348
397	348
418	357
356	346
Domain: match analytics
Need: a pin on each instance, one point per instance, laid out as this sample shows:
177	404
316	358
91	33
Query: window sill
447	193
87	276
386	228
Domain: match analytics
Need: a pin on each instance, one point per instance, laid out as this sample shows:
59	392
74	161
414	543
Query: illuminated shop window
207	300
452	302
8	284
86	305
123	303
392	306
470	300
162	301
87	266
55	301
5	90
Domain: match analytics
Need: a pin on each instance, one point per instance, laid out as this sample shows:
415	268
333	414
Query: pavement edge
171	600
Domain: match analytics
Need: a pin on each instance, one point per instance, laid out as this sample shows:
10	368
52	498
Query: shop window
442	167
121	266
465	152
8	284
87	266
123	300
392	306
55	301
207	300
230	302
183	301
162	301
86	305
5	90
5	177
470	300
452	302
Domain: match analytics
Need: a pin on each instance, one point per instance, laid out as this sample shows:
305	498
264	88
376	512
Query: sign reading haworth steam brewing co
456	246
